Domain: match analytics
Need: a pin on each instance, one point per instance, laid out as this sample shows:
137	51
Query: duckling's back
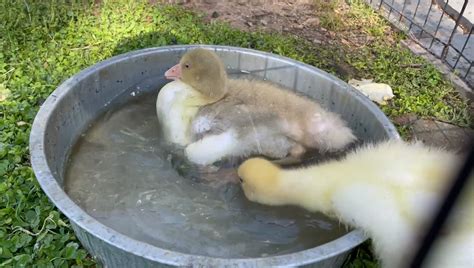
409	182
304	120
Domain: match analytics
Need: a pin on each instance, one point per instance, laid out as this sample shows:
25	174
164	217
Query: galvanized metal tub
77	102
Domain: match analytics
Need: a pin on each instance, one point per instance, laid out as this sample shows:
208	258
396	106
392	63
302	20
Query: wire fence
443	27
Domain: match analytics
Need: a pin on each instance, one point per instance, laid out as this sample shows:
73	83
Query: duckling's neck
313	187
213	90
196	100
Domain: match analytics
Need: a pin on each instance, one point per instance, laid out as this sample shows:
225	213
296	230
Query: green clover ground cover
44	42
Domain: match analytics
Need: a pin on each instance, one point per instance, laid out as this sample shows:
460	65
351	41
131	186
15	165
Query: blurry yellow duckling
389	190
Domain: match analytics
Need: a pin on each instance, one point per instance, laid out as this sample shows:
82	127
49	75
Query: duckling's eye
186	66
241	181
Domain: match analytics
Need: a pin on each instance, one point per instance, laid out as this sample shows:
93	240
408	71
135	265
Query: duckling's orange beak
174	73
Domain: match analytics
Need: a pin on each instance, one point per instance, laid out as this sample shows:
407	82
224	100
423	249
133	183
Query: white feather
212	148
174	113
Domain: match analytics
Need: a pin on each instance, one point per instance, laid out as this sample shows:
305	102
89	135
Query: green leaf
32	217
22	260
70	250
5	252
3	167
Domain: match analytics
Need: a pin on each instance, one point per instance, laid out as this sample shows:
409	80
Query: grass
44	42
353	15
419	88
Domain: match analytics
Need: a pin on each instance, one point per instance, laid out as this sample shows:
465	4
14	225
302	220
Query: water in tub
120	173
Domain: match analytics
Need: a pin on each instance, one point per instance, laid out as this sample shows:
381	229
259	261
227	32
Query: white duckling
390	190
176	106
178	103
241	117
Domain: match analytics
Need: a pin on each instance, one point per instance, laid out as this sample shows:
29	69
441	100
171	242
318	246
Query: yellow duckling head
203	70
260	181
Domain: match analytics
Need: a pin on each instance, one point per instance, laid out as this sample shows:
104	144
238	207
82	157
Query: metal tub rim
79	217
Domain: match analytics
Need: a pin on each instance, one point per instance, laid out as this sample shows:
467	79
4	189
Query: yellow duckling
389	190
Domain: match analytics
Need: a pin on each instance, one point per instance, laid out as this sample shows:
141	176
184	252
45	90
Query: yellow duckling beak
260	180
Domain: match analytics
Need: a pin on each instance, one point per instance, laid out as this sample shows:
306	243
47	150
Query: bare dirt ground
300	18
297	18
321	22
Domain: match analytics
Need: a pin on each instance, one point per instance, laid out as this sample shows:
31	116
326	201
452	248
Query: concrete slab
454	8
432	28
433	138
442	134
